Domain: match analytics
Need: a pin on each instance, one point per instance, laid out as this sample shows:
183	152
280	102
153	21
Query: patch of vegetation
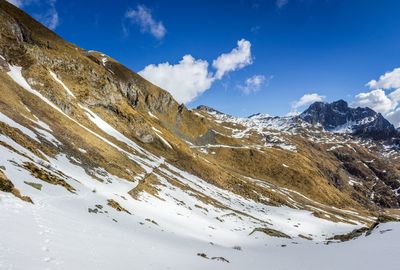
305	237
237	248
221	259
151	221
351	235
385	218
117	206
367	230
148	184
203	255
93	210
7	186
203	208
47	176
271	232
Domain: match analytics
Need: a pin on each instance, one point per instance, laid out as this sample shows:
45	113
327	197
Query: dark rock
221	259
203	255
338	116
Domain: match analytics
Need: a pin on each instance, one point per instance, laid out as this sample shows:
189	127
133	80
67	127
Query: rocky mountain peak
339	117
340	105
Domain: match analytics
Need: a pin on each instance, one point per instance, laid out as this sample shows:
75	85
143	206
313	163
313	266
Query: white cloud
395	95
236	59
381	101
191	77
305	100
185	80
142	16
253	84
389	80
281	3
394	117
50	17
376	100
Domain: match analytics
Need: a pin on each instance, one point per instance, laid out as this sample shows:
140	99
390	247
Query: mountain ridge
338	117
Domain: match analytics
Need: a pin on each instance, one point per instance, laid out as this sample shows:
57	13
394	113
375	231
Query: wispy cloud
49	17
191	77
255	29
281	3
305	100
253	84
143	17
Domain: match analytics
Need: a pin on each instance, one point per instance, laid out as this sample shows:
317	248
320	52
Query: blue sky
290	48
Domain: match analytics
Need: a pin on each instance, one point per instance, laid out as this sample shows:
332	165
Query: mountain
101	169
339	117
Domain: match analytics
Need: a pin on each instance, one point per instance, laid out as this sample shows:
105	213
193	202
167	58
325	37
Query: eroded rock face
130	91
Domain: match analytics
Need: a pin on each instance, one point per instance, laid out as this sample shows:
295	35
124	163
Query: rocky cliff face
339	117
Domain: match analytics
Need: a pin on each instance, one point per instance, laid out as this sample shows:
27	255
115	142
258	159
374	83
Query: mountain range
100	169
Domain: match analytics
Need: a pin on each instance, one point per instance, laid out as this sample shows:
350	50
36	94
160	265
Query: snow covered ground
58	233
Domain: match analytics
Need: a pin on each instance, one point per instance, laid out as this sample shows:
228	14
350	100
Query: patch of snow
353	182
55	77
198	114
334	147
164	141
152	115
16	75
156	130
4	118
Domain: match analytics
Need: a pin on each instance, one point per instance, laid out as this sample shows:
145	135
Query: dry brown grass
7	186
47	176
117	206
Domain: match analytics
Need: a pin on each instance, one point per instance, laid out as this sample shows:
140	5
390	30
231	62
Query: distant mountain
338	117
